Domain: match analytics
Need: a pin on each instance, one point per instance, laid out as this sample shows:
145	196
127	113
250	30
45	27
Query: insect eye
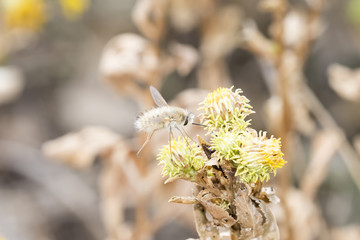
186	121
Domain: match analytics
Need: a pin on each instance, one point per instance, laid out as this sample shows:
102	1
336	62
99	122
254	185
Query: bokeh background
60	89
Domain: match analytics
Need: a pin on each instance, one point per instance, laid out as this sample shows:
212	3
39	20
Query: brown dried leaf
205	229
79	149
220	215
345	82
183	200
324	146
245	213
268	228
128	58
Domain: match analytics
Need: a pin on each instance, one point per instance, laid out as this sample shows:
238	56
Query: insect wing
158	99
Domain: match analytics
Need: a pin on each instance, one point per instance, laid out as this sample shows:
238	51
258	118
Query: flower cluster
181	159
251	155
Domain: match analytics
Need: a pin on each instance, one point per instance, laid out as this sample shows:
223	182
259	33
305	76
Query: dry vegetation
311	138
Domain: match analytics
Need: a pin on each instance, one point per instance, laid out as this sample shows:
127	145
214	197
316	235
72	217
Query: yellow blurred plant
24	14
73	9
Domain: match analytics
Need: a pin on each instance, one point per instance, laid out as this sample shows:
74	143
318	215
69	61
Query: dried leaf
11	83
204	228
79	149
345	82
219	214
183	200
245	213
128	58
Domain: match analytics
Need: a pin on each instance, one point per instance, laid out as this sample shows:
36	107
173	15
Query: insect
164	116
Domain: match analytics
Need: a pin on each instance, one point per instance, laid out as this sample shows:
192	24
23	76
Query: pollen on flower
181	159
24	14
225	109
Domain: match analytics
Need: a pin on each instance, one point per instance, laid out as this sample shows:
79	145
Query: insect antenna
146	141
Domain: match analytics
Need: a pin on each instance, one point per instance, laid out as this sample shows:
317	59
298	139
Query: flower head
24	14
225	109
181	159
254	155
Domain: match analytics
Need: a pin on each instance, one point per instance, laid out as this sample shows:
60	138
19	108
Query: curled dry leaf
345	82
149	16
11	83
219	214
79	149
128	58
183	200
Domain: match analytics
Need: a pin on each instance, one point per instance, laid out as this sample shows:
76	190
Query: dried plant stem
347	152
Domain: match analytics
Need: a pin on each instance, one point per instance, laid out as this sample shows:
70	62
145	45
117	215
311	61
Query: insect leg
171	136
184	133
146	141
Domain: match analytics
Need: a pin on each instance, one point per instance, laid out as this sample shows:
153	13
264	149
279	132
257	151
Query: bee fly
164	116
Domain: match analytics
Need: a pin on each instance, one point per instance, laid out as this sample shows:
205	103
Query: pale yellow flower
181	159
225	109
24	14
254	155
74	8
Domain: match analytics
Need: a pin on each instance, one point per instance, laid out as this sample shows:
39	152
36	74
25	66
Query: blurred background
59	73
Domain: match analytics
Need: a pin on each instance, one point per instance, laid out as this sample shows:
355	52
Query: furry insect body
163	117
